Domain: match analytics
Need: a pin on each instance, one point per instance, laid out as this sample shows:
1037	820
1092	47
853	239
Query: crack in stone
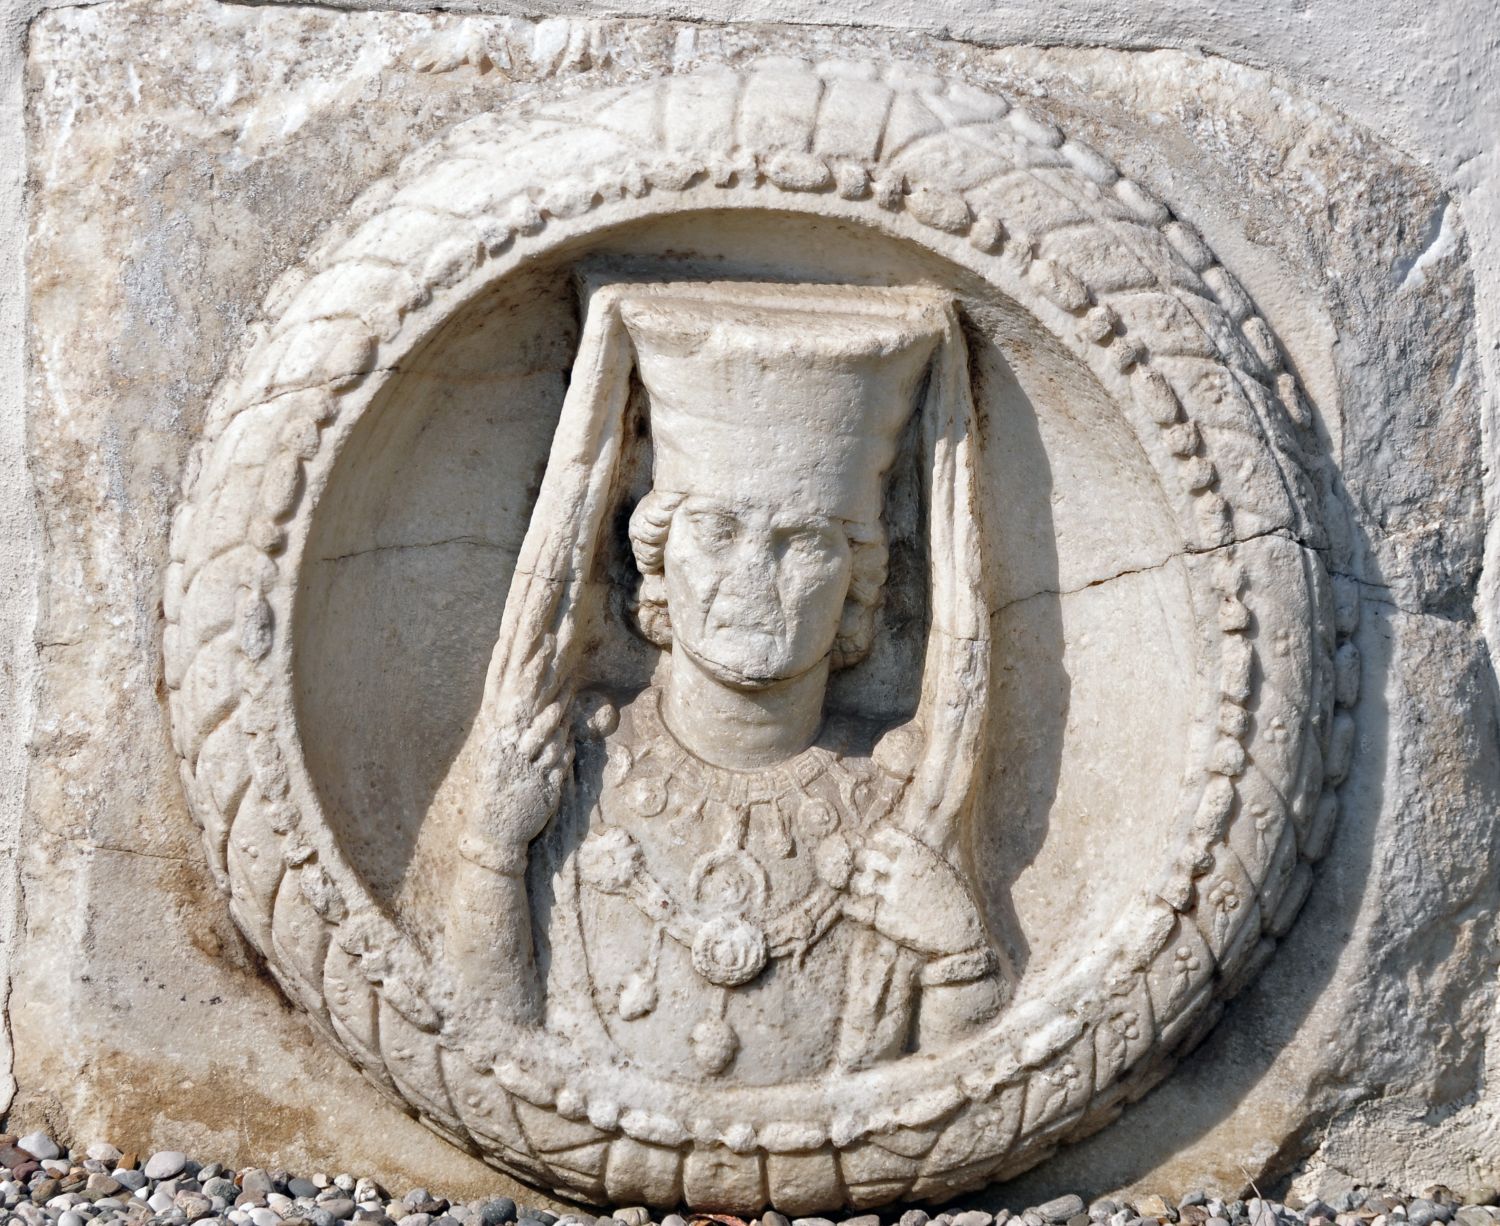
133	851
478	541
1154	566
57	6
1387	596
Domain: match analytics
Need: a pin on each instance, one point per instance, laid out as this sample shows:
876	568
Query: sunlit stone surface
745	615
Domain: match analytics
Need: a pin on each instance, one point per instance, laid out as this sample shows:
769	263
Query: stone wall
168	166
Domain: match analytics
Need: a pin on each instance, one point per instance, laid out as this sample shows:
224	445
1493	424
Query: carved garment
698	919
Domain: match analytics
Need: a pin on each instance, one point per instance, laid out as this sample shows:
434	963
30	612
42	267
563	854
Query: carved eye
804	541
713	529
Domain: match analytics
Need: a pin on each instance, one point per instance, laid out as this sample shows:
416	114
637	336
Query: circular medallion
1114	672
729	951
610	860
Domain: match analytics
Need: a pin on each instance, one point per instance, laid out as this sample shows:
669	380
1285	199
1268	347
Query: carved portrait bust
744	883
761	636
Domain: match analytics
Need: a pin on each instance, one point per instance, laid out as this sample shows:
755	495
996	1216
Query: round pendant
729	951
714	1044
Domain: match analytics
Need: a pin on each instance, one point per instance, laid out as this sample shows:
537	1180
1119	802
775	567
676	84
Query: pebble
165	1164
195	1205
502	1210
1058	1210
255	1182
39	1145
102	1185
420	1200
367	1191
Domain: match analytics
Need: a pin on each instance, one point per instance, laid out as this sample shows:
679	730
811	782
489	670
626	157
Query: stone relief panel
761	637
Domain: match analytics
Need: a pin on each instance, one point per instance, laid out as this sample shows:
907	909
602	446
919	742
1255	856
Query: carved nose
748	596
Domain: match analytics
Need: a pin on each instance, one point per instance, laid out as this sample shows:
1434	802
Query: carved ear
651	615
856	632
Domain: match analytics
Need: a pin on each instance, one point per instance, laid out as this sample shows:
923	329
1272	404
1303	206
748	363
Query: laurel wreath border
451	217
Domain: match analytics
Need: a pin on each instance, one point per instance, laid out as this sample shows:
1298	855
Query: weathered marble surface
185	157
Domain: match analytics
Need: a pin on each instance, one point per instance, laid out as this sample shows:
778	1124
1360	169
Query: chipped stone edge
19	532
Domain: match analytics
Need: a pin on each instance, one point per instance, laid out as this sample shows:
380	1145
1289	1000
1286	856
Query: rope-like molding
1132	291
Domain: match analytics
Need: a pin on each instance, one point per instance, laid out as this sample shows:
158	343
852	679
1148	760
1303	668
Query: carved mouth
741	678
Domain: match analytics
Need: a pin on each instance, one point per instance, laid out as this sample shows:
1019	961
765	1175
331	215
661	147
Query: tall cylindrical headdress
781	393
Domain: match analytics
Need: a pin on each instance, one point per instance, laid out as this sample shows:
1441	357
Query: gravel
41	1184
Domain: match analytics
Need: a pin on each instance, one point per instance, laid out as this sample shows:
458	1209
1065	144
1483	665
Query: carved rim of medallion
1127	288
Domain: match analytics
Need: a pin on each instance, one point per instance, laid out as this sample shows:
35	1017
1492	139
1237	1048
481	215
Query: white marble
747	614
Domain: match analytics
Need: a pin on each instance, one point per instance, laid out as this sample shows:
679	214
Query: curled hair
868	558
650	523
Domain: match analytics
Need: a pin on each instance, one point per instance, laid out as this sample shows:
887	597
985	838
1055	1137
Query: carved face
755	592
